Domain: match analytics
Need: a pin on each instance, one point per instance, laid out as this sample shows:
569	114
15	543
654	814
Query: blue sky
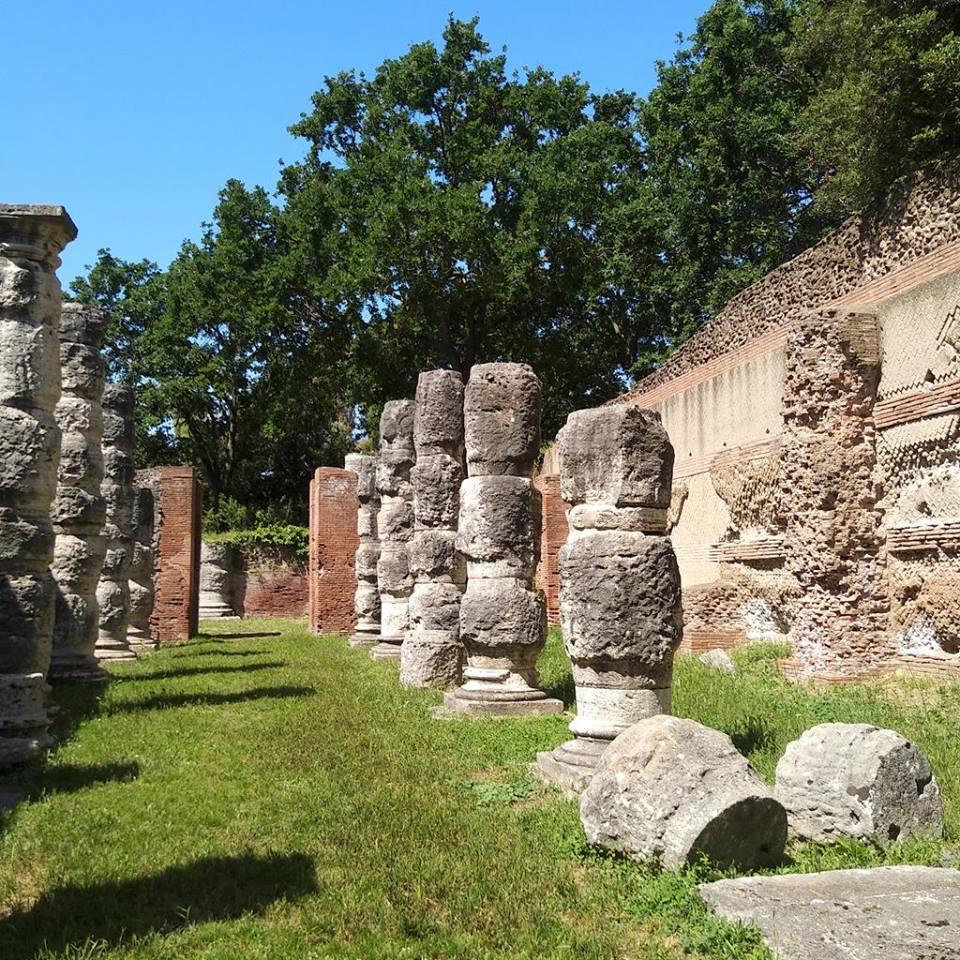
133	114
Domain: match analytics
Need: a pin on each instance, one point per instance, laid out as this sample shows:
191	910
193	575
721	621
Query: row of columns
67	500
452	549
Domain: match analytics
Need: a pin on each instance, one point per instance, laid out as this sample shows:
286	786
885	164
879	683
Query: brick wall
275	589
333	546
553	535
178	503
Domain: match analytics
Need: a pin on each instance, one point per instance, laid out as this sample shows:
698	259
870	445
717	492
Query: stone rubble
670	789
78	509
367	598
394	525
897	913
432	655
619	582
502	618
113	591
31	239
140	584
719	660
857	780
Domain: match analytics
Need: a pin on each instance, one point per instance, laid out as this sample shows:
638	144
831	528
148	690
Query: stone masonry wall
178	502
830	489
333	547
916	219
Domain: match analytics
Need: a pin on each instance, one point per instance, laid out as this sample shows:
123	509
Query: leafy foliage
283	537
483	216
450	212
884	81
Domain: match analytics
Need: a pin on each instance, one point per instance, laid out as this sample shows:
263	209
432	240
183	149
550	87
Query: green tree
884	79
730	190
481	216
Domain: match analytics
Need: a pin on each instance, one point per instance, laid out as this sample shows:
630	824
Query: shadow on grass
214	888
222	637
753	735
165	701
176	672
71	777
561	687
216	653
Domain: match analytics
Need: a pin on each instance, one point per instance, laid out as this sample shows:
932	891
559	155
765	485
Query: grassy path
280	796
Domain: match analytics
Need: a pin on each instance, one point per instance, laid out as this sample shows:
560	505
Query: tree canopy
448	211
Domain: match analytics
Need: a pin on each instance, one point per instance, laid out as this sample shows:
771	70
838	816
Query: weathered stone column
619	581
432	655
78	509
216	581
113	592
140	583
367	598
395	524
503	621
31	238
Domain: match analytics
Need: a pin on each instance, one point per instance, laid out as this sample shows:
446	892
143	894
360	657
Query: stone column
432	655
140	584
619	581
113	592
216	581
367	598
78	509
503	620
31	238
395	524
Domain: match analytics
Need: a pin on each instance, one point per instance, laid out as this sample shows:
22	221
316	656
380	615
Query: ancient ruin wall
917	219
178	503
332	552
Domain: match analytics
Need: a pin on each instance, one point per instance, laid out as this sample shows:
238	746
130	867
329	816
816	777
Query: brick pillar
176	580
830	493
333	548
553	535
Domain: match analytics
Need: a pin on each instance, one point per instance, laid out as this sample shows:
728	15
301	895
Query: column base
570	766
76	670
486	705
386	650
15	751
364	639
115	653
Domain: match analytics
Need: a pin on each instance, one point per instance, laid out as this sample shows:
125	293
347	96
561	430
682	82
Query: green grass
280	796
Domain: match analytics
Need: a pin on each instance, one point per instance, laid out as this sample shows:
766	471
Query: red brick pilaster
176	580
553	535
333	547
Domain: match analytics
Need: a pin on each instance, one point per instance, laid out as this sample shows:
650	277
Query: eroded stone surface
31	238
140	584
432	654
499	531
669	789
502	617
619	581
113	591
857	780
616	455
719	660
78	510
897	913
394	524
216	580
367	597
502	407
